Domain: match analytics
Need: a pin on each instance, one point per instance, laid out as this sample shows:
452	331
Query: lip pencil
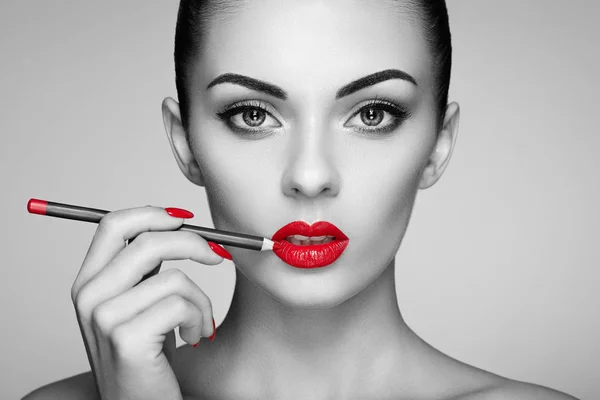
79	213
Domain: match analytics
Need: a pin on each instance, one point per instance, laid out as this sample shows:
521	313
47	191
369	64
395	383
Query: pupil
254	117
372	116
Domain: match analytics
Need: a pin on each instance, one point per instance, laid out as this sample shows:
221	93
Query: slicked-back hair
194	15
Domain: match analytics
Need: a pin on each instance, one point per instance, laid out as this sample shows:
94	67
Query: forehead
310	42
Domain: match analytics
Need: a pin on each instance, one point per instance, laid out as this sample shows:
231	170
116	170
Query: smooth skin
329	333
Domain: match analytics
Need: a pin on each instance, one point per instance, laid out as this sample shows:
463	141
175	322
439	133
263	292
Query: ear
179	143
440	156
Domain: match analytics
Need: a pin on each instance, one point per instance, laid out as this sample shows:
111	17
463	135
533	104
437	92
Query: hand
124	324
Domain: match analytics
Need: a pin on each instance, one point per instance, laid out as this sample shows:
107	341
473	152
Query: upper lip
319	228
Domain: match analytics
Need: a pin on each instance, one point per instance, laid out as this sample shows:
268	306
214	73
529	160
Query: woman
315	124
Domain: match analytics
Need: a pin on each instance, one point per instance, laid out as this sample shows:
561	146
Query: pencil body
79	213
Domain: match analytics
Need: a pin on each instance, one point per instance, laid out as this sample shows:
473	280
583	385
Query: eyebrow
373	79
250	83
277	92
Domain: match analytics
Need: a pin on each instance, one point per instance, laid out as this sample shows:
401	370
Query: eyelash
239	107
244	105
399	115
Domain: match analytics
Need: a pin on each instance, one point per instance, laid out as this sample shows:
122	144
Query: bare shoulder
78	387
515	390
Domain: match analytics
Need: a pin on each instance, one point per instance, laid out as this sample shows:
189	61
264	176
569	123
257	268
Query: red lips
309	256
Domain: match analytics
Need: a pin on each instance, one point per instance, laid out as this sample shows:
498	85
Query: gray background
500	264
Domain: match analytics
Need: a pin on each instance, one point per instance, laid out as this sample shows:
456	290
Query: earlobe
440	156
179	143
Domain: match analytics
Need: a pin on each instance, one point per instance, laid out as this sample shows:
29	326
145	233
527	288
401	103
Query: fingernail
219	250
212	337
179	212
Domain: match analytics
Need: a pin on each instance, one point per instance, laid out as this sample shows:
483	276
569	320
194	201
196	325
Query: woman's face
301	149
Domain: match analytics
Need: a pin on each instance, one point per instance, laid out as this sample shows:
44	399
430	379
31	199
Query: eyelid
247	103
398	113
390	106
379	101
227	113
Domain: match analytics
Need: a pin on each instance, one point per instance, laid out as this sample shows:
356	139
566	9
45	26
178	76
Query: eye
249	117
372	116
377	116
253	117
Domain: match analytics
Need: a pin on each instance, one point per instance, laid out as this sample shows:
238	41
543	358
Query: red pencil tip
276	246
35	206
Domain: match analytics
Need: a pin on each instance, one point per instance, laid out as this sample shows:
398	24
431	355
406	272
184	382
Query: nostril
311	179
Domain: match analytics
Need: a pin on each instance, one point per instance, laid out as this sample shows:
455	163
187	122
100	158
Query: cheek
382	180
388	212
380	194
238	184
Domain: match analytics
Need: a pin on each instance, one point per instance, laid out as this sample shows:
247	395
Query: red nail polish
219	250
196	345
212	337
179	212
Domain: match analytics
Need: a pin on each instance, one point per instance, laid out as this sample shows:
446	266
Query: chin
308	298
312	288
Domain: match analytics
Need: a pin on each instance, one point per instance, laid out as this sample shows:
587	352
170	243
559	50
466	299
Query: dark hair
192	21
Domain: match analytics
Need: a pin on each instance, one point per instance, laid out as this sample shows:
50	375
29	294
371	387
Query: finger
113	230
131	264
133	338
127	305
170	346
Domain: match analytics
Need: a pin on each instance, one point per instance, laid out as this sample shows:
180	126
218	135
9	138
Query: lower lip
311	256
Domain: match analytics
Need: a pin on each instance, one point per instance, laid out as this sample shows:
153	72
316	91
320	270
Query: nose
310	170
